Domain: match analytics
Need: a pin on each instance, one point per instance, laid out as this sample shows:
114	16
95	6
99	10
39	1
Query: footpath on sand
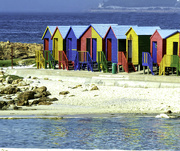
134	80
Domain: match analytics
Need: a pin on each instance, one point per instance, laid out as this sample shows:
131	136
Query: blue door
69	52
94	49
154	52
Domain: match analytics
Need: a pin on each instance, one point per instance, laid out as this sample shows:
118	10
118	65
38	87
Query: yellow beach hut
138	41
58	40
171	58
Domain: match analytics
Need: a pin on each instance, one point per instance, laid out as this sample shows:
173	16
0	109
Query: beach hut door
46	44
55	47
109	49
94	48
69	52
175	48
129	50
154	52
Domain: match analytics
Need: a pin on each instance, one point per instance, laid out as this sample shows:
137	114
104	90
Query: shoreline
130	97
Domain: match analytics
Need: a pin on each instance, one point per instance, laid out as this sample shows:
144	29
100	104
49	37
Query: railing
62	60
102	61
169	61
76	62
39	58
85	58
123	61
49	59
147	61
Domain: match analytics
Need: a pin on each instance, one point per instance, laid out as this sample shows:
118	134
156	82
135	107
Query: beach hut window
175	48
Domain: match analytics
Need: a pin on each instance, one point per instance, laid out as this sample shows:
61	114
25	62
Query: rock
45	103
77	86
34	78
3	104
40	89
94	88
1	72
169	112
64	93
21	50
16	81
25	96
9	80
22	83
85	90
46	78
17	108
10	90
23	103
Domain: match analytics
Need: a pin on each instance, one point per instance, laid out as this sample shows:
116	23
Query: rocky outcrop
20	50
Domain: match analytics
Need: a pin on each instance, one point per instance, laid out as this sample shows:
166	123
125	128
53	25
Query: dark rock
3	104
45	103
64	93
25	96
23	103
10	90
77	86
16	81
40	89
94	88
17	108
169	112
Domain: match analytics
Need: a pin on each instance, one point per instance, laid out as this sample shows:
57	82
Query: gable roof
78	30
165	33
102	29
121	30
63	30
144	30
51	30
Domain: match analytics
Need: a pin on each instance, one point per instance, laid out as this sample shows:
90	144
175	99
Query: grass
7	63
14	77
16	62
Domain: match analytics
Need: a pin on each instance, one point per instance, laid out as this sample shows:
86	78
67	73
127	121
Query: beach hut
115	41
138	41
92	39
58	40
158	44
73	41
47	42
171	58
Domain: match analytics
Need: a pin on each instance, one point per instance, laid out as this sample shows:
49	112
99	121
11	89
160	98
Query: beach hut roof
121	30
165	33
51	30
78	30
63	30
144	30
102	29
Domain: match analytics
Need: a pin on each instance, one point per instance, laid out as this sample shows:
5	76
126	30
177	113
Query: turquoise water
123	133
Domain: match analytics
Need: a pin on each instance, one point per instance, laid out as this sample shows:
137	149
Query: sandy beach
106	100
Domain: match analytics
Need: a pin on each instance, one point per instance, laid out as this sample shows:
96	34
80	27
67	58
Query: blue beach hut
73	41
115	41
47	42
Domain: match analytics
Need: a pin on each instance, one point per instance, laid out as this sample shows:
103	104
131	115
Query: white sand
108	99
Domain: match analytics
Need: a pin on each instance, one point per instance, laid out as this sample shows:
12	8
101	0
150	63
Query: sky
47	5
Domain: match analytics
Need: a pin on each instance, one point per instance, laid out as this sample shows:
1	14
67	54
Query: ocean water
122	133
29	27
